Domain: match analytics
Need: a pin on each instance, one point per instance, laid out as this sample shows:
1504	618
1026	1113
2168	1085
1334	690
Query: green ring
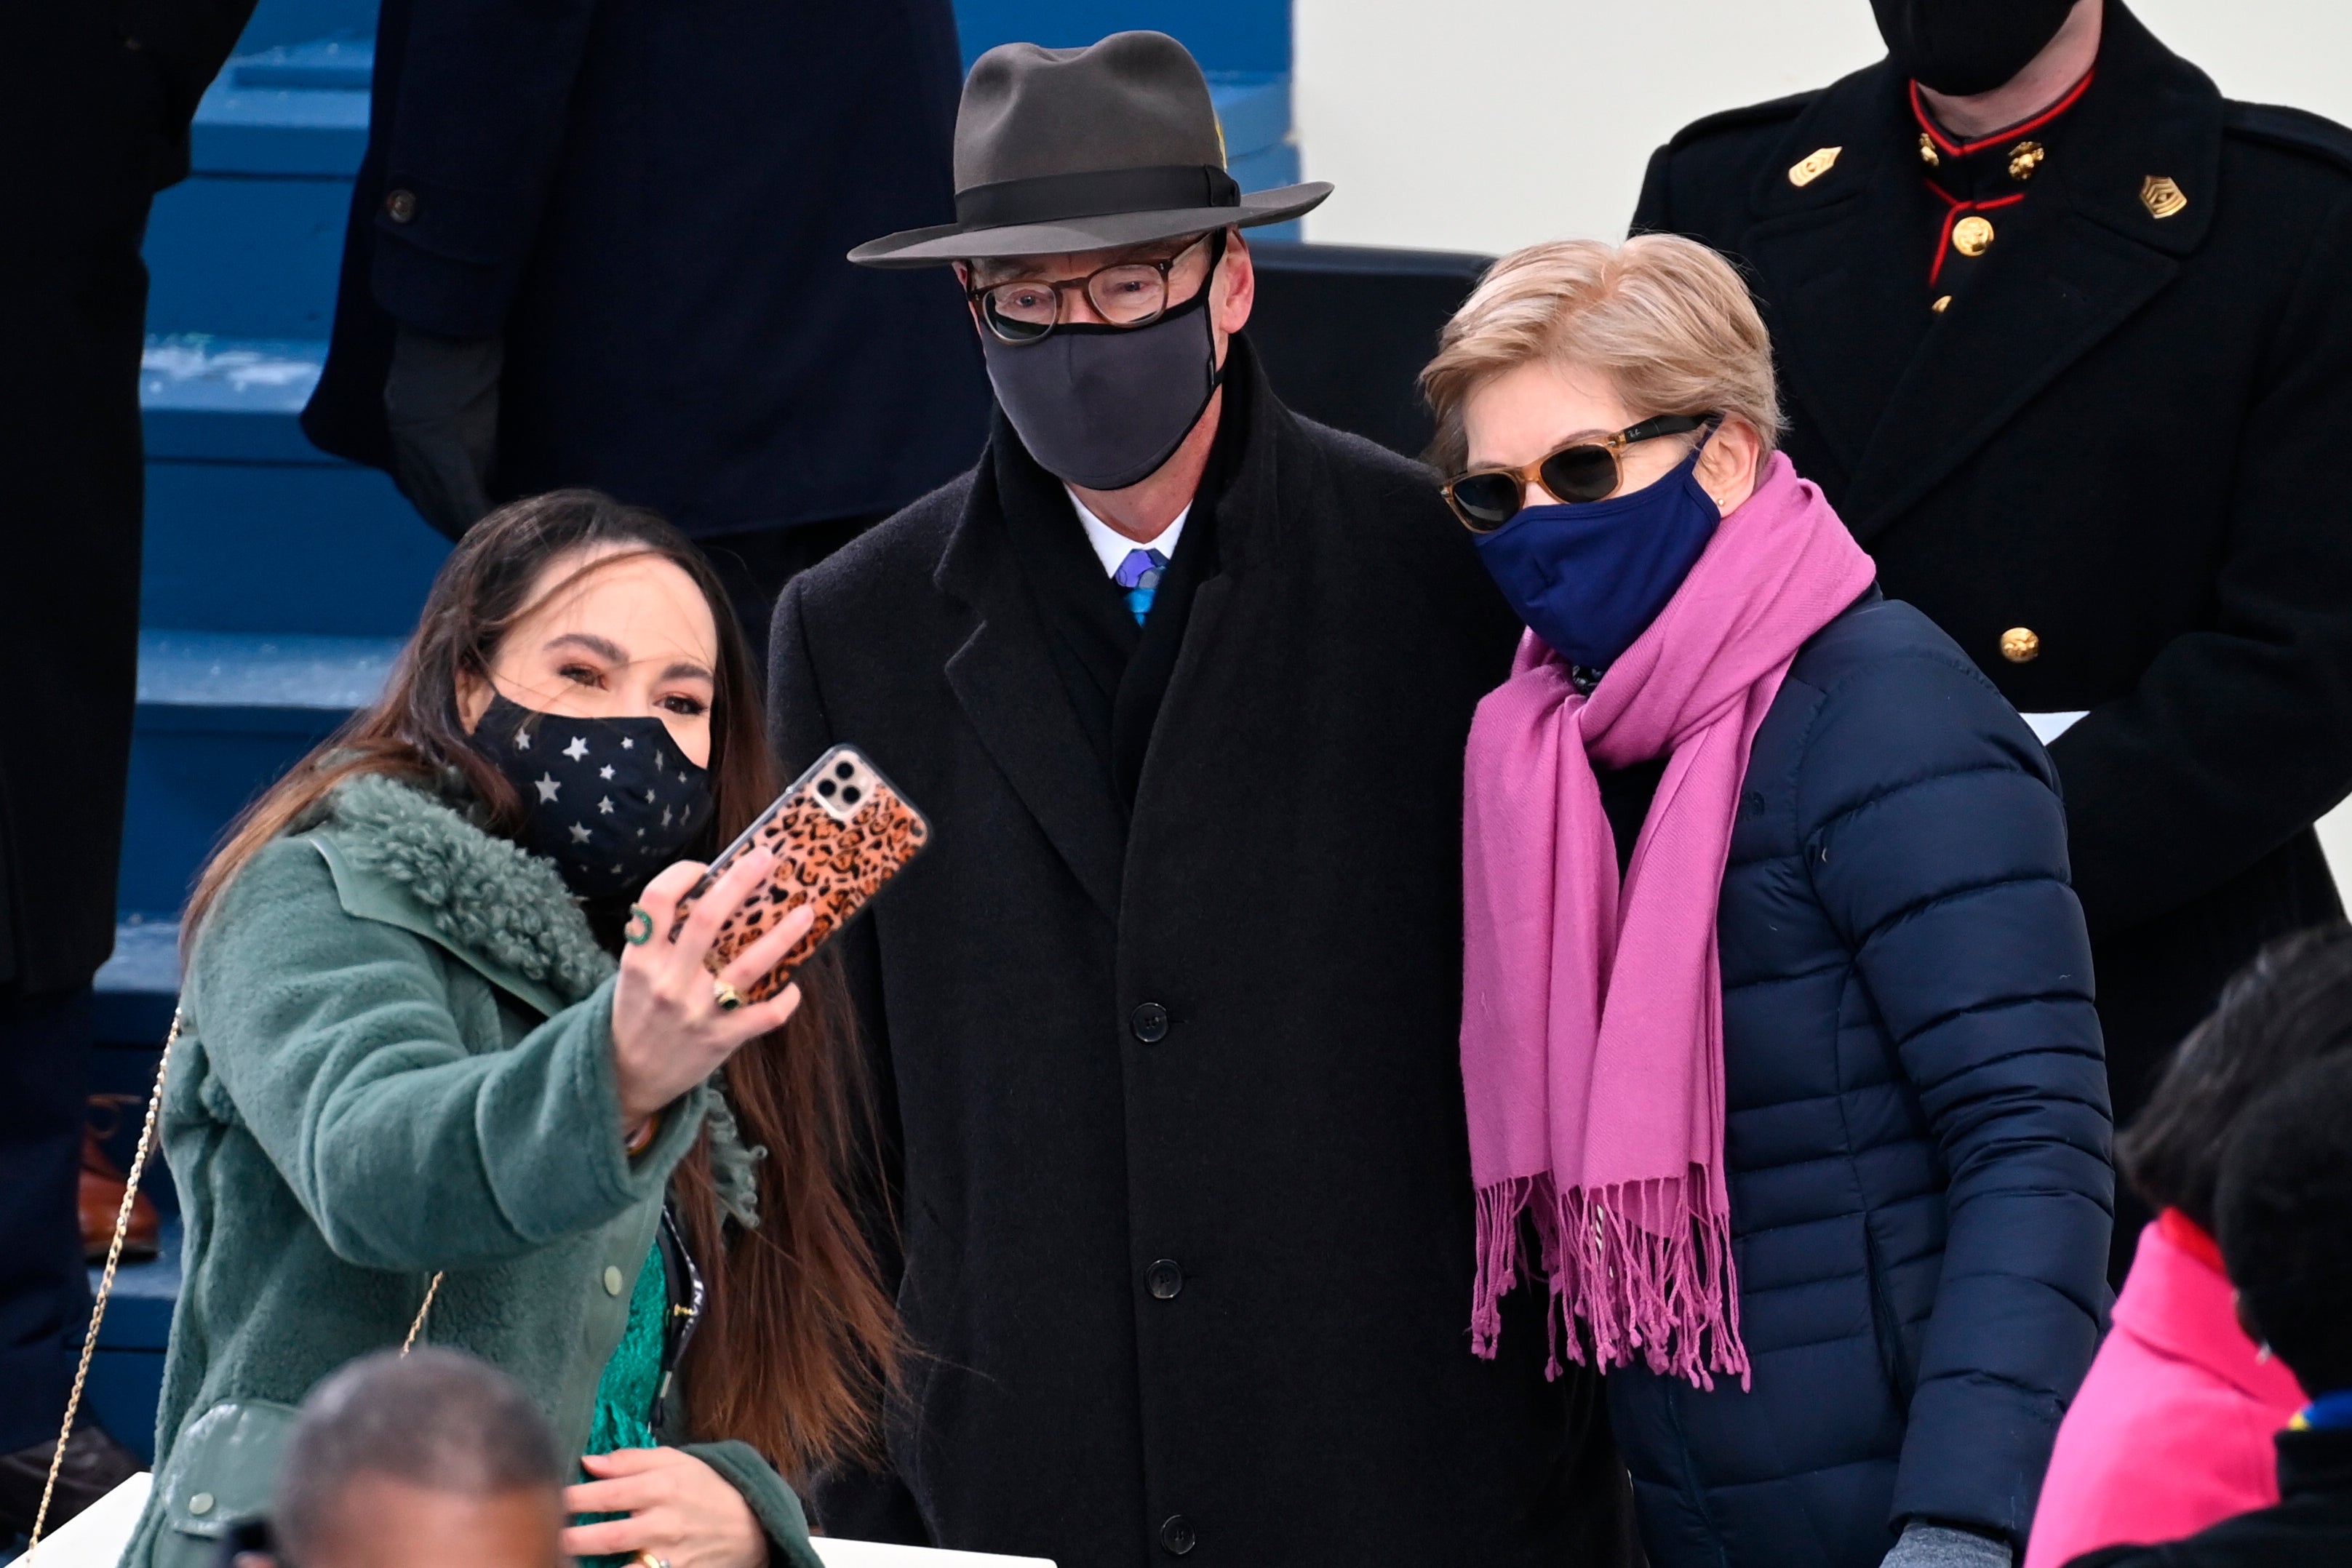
640	928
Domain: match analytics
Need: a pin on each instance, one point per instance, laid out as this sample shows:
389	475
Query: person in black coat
95	104
599	241
1165	1017
2073	380
2285	1206
1838	924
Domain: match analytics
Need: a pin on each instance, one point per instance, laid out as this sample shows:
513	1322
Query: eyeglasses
1125	294
1486	498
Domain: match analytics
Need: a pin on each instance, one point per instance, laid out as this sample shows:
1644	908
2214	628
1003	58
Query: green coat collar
402	857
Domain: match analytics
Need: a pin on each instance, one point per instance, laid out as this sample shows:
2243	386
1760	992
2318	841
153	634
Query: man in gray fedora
1164	1022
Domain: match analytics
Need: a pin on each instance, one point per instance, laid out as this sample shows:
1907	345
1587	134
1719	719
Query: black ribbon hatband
1098	192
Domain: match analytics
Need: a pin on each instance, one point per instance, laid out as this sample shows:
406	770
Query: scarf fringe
1641	1266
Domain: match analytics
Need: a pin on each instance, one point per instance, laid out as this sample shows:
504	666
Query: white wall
1488	124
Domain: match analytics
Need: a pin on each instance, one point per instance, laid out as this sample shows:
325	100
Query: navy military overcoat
652	202
2105	467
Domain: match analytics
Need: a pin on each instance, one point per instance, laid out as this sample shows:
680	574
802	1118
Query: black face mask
610	801
1105	406
1967	47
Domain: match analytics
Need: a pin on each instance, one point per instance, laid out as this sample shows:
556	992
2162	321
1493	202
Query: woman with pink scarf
1783	1081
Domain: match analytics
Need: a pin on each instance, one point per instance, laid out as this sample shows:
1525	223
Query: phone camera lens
849	796
845	770
824	787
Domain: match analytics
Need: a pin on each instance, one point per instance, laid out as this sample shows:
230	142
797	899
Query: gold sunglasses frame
1614	446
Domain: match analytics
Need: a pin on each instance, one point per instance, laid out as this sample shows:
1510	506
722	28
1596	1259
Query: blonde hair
1663	318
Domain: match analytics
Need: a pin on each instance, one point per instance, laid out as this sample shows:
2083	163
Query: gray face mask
1105	406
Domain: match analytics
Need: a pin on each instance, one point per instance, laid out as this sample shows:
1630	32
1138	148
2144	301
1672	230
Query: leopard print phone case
839	833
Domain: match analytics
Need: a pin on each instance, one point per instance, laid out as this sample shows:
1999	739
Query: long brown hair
799	1337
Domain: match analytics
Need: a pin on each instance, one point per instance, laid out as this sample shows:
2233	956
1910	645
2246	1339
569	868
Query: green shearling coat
397	1060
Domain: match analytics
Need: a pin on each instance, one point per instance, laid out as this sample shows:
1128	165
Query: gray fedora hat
1064	150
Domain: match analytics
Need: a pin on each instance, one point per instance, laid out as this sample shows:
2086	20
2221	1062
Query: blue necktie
1139	574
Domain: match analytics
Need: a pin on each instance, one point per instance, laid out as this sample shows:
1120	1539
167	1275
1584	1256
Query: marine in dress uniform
2079	387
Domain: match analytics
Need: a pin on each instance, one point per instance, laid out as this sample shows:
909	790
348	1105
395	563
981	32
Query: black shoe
95	1465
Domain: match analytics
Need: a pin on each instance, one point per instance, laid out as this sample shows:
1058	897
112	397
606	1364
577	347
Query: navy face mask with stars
610	801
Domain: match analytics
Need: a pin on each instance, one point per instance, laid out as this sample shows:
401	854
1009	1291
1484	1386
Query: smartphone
839	833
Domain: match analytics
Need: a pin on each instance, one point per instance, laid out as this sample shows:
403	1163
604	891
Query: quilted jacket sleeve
408	1145
1936	841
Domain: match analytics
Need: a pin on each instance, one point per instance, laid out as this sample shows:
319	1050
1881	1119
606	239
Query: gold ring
729	999
647	1559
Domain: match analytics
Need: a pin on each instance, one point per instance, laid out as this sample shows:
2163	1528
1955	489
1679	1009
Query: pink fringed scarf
1592	1019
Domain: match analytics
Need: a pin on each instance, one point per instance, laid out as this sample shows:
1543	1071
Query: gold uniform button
1943	303
1972	236
613	1275
2020	644
400	207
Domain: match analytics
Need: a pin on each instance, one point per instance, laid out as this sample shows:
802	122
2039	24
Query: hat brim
944	243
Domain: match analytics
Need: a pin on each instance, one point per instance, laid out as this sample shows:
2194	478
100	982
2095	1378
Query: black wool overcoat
652	203
1175	1097
2119	435
95	102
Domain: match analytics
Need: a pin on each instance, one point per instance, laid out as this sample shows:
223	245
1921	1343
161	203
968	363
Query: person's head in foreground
2289	1008
408	1461
2285	1207
1097	236
1600	409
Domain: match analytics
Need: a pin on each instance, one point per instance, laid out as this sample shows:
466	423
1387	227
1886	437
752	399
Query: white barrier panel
95	1539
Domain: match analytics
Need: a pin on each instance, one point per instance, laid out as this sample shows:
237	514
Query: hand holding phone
838	834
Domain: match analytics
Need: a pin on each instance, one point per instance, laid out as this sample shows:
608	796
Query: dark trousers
44	1045
755	564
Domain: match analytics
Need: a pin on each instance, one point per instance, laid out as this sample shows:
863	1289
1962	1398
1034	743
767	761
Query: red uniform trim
1946	144
1956	210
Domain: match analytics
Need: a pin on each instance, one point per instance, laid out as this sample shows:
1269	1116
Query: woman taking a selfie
1777	1031
417	1097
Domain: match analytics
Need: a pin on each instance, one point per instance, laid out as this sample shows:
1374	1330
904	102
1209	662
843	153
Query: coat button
1972	236
201	1503
1164	1278
1150	1023
400	207
1177	1535
612	1280
2020	644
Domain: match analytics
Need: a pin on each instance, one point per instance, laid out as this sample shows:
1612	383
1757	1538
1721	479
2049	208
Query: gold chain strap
417	1327
106	1281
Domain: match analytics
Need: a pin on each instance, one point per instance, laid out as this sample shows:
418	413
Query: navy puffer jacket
1917	1132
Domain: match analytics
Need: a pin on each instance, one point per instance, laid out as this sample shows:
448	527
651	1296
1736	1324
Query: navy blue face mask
1589	578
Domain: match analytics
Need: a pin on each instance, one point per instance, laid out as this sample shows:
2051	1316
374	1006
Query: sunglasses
1486	498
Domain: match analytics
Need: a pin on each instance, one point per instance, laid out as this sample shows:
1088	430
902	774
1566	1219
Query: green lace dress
631	1386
